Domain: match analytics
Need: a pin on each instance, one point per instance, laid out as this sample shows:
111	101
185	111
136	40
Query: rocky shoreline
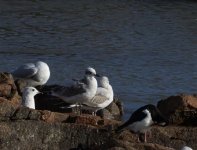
24	128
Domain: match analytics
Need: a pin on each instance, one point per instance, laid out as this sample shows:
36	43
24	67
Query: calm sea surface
147	48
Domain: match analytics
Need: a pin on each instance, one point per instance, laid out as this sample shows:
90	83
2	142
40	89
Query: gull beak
40	92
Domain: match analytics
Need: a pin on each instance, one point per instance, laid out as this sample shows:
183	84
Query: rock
41	135
20	84
116	148
180	109
174	136
104	113
42	129
8	89
24	128
7	109
114	110
119	103
128	141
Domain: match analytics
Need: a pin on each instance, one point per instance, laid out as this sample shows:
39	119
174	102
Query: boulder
174	136
8	89
180	109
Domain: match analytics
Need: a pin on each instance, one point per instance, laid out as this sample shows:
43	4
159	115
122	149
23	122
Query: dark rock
24	128
21	113
7	109
20	84
34	115
42	129
119	103
174	136
8	89
180	109
114	110
40	135
104	113
116	148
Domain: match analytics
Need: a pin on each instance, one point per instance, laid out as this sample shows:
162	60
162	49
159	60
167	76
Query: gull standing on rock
104	96
143	118
28	97
79	93
33	74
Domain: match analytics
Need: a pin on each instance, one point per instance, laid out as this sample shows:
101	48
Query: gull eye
33	90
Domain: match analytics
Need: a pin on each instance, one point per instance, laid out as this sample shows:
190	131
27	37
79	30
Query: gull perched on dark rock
104	96
28	97
143	118
33	74
79	93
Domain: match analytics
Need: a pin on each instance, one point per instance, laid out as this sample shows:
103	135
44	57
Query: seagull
143	118
34	74
104	97
186	148
28	97
83	91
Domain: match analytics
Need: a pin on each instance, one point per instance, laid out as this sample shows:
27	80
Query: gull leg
80	109
77	110
149	134
95	112
145	139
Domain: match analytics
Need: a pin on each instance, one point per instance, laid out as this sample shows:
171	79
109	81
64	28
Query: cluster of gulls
85	93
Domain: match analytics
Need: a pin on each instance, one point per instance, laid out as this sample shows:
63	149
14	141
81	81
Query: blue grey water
147	48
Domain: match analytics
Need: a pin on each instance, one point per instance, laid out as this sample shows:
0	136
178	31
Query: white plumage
103	97
28	97
34	74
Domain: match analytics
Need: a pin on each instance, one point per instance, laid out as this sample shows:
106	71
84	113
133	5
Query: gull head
104	81
41	63
30	91
91	72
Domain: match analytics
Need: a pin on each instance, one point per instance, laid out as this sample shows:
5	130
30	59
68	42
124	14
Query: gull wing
102	91
67	91
97	99
25	71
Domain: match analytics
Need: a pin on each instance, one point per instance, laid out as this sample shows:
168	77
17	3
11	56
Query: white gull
81	92
33	74
104	96
28	97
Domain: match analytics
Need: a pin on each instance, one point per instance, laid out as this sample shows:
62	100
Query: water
147	48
